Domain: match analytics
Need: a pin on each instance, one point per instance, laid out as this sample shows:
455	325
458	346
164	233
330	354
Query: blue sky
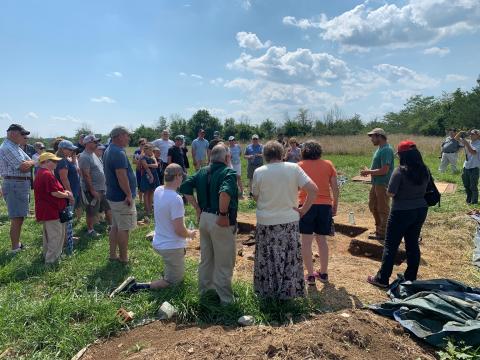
103	63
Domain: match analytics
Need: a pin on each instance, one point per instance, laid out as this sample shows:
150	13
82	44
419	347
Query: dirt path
353	334
360	334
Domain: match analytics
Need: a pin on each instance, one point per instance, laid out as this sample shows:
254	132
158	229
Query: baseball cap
39	145
119	130
231	138
67	144
377	131
48	156
406	145
255	136
90	138
17	127
179	137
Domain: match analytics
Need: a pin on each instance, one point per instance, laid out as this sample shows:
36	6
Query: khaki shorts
174	264
124	217
101	205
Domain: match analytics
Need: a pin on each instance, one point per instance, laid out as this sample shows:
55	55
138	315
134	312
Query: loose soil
446	253
352	334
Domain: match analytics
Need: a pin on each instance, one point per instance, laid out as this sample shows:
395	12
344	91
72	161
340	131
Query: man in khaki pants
216	206
380	171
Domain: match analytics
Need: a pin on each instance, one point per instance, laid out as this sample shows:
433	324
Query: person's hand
334	210
129	200
26	165
300	210
70	197
223	221
192	234
365	172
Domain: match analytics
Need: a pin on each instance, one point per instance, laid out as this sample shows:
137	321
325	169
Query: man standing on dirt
450	149
254	156
380	171
216	206
15	169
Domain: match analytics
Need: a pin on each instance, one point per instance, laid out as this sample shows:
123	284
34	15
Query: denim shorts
317	220
17	197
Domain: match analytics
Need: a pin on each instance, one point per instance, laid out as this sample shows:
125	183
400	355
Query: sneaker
124	286
323	277
17	250
92	234
375	236
310	280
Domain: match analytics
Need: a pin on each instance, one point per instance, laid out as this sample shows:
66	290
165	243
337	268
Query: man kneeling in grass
170	233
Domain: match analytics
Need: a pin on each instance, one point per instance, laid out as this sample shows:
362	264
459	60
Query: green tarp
435	310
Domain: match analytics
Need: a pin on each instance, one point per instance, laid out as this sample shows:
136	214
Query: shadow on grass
4	219
108	276
35	268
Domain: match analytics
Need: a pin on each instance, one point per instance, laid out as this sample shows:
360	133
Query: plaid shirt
11	157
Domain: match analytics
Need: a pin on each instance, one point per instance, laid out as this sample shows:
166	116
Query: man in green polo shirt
380	171
216	206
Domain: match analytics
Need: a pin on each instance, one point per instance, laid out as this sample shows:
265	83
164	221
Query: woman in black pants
409	209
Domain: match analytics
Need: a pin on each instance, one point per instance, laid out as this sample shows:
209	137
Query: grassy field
53	311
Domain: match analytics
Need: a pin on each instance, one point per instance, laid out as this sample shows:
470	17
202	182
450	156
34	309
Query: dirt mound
351	334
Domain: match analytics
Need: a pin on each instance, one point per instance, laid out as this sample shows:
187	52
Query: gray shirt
408	195
200	146
163	145
91	163
450	145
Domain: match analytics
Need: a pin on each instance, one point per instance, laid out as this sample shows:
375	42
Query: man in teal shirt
380	171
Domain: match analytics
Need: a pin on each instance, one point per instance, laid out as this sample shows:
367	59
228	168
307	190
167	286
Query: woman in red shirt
317	222
50	199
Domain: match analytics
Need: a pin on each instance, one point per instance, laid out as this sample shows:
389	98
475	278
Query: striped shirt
11	157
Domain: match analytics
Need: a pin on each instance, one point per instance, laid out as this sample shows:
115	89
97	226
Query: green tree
142	131
179	126
244	130
203	120
304	121
229	128
267	129
162	123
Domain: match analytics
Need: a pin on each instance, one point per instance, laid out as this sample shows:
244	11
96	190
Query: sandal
323	277
374	281
310	280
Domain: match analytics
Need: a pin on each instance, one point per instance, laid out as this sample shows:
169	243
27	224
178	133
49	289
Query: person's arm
335	192
194	152
223	204
247	154
124	184
181	230
154	165
192	201
469	147
63	174
145	166
62	195
311	190
88	181
376	172
394	183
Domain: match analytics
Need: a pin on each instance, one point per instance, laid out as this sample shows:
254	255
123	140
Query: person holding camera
50	200
471	166
450	148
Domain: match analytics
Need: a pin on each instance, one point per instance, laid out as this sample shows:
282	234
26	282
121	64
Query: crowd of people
295	190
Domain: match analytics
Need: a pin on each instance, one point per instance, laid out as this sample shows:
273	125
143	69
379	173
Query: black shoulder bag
432	195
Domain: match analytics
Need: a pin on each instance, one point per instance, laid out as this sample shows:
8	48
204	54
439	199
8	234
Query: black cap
16	127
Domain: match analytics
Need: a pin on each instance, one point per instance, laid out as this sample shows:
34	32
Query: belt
210	211
25	178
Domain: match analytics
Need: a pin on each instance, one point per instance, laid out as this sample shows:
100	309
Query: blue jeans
406	224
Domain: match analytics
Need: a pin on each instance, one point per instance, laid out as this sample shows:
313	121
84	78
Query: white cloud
250	41
417	22
304	23
406	76
114	74
403	95
67	118
246	4
437	51
182	74
31	115
103	99
6	117
455	78
242	84
299	66
235	102
196	76
218	81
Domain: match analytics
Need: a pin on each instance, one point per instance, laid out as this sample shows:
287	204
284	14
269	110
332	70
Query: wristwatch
222	213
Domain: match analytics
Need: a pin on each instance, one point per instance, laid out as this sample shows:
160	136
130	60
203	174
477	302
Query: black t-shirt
214	142
407	194
177	156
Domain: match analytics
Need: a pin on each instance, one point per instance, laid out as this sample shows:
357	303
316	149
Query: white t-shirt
163	145
167	206
276	186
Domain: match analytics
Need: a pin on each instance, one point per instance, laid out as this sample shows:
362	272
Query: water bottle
191	225
351	218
